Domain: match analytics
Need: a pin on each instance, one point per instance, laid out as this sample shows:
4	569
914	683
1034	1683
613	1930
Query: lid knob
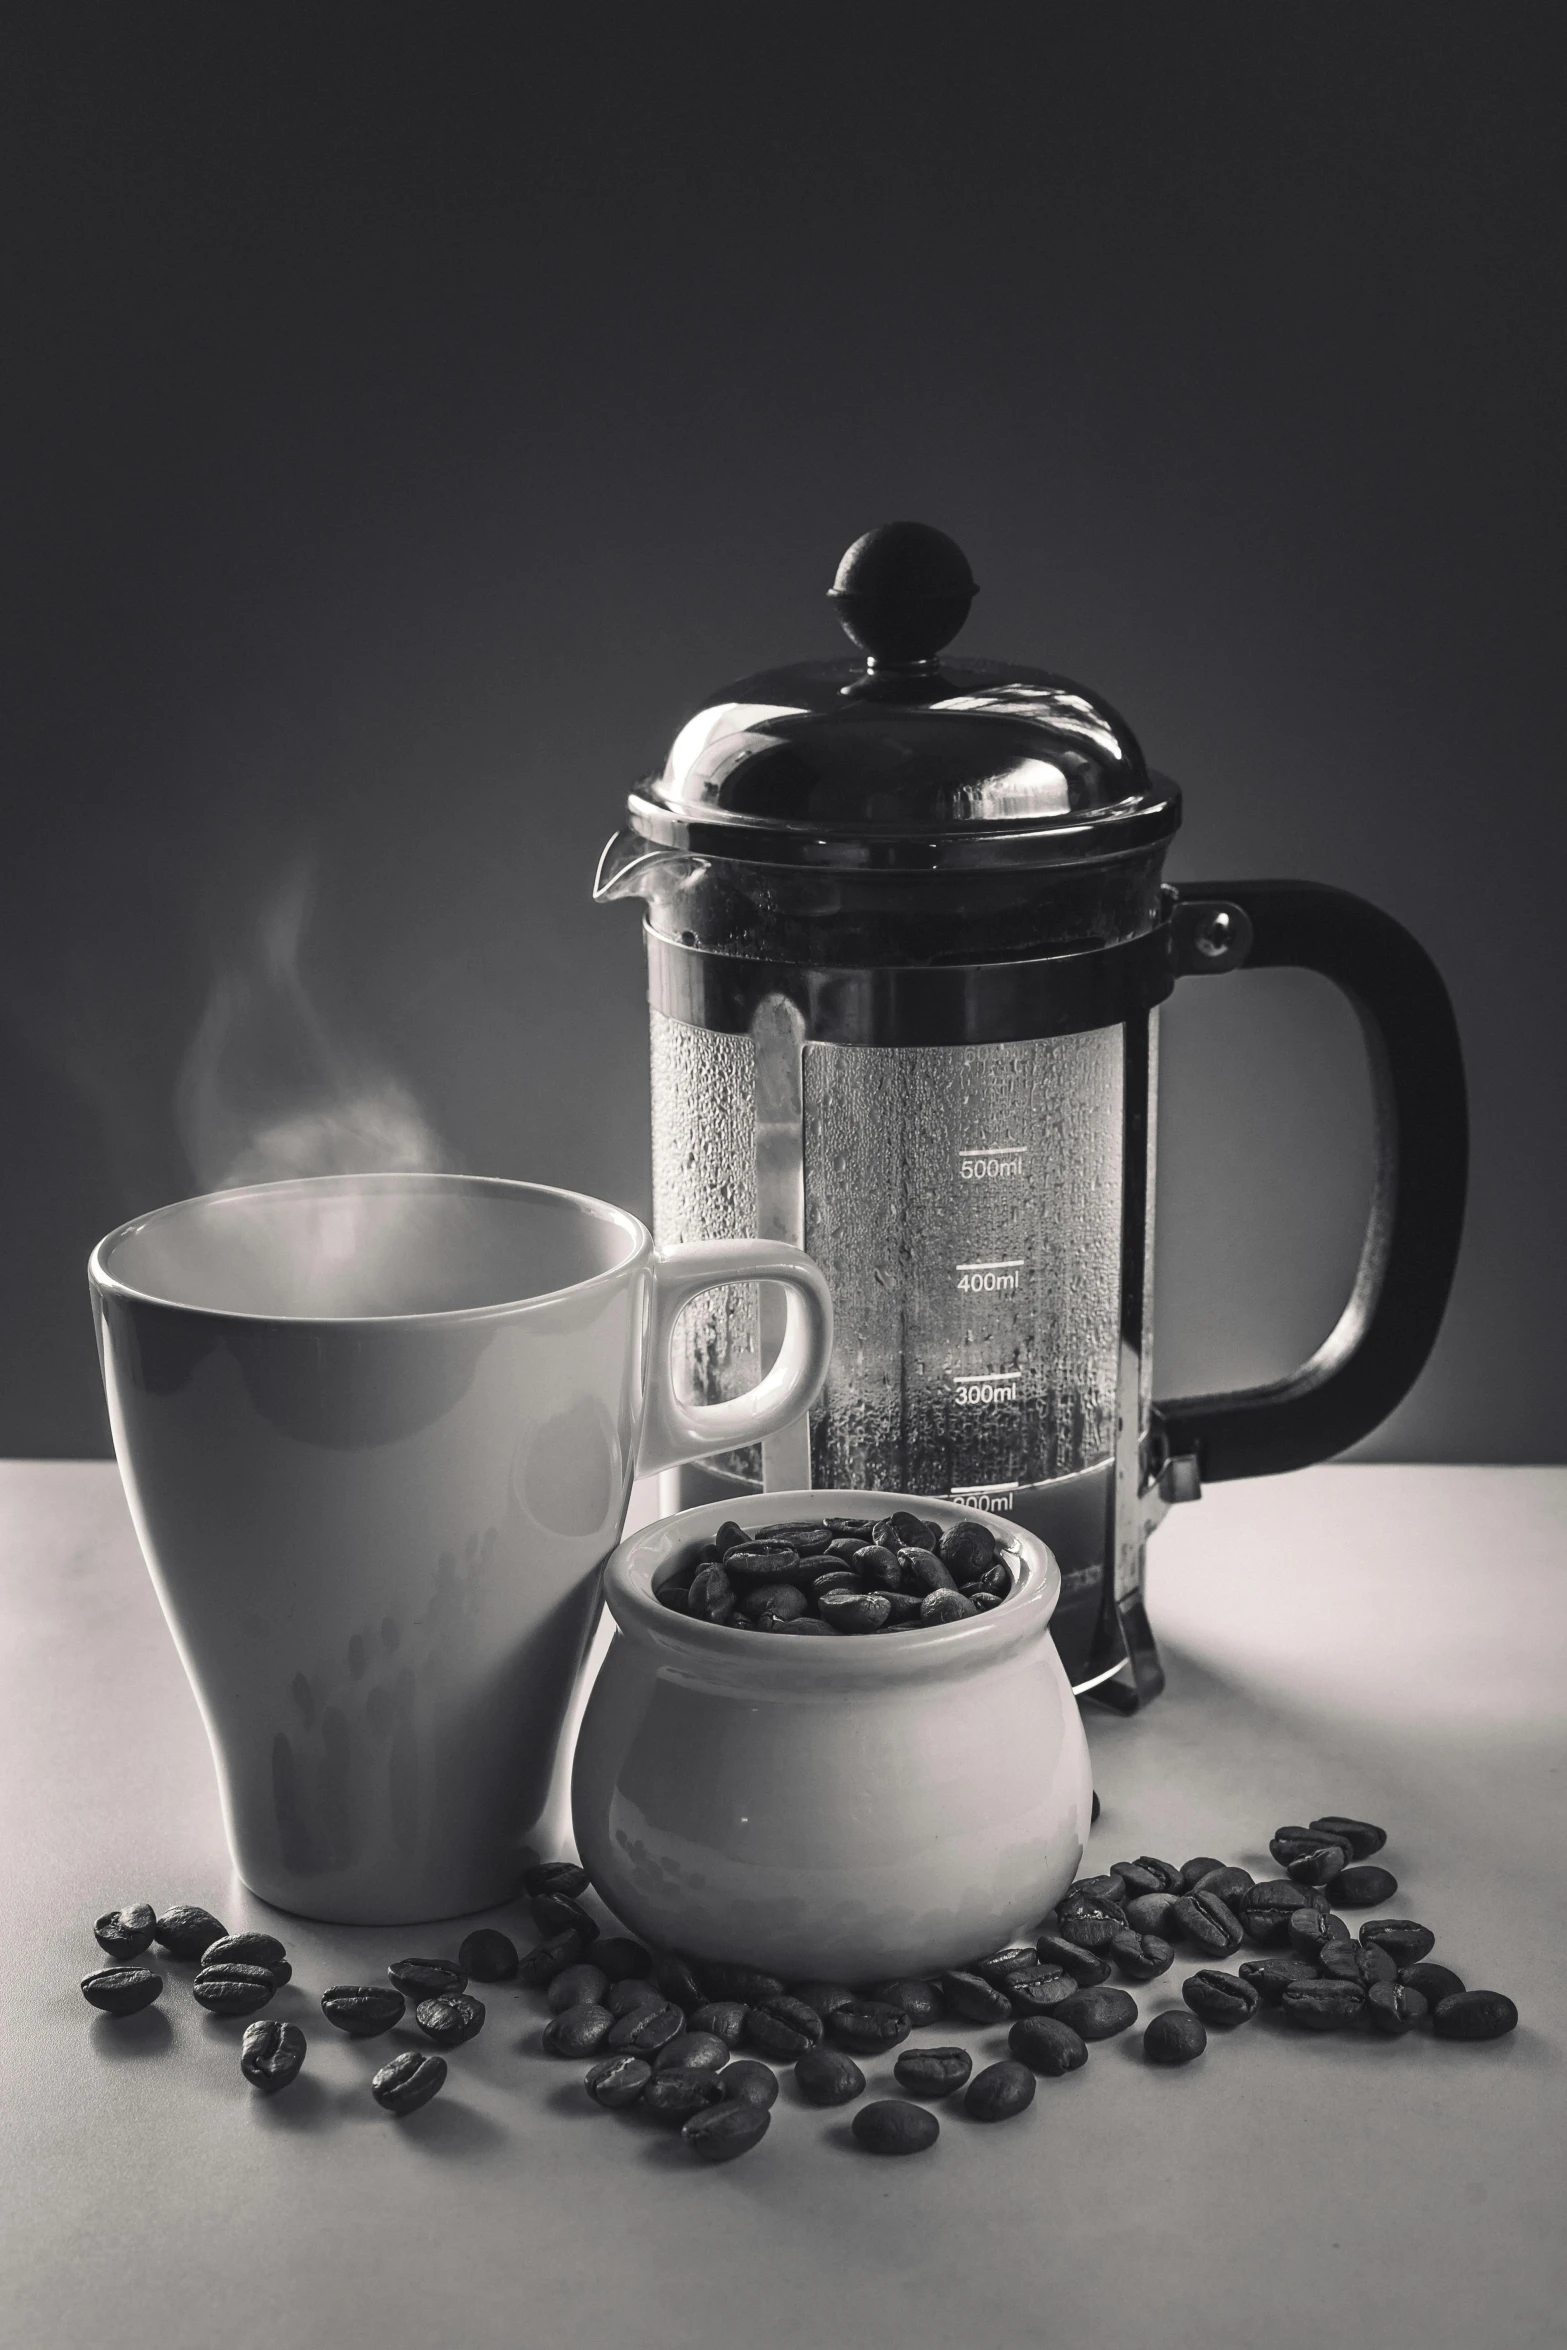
902	592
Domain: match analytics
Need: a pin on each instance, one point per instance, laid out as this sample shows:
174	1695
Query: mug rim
109	1284
699	1651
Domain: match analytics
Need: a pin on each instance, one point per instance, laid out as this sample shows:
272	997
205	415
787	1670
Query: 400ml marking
1004	1274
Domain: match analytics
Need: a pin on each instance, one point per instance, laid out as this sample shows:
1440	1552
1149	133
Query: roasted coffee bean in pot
363	2010
621	1958
923	1571
836	1579
233	1990
850	1529
676	1980
185	1931
1094	2015
251	1950
1194	1871
779	1602
1226	1885
854	1611
727	2130
760	1563
920	2001
676	2096
634	1991
971	1997
1433	1982
1356	1962
1364	1886
1220	1998
1206	1920
968	1549
1310	1930
1140	1957
994	1583
1175	2037
1361	1837
489	1956
1392	2008
1322	2004
891	2126
555	1876
750	2082
805	1540
946	1607
999	2092
1085	1965
811	1626
125	1933
711	1596
983	1601
1047	2044
408	2082
730	1537
450	2020
903	1531
824	1996
578	2031
933	2072
674	1596
1041	1992
825	2076
270	2054
537	1967
121	1990
868	2027
1091	1924
877	1568
725	2018
646	2029
617	2081
693	2052
1405	1942
1148	1913
1271	1977
554	1913
574	1986
782	2028
1474	2015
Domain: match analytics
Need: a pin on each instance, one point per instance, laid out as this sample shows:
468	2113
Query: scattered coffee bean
891	2126
999	2092
251	1950
1098	2014
555	1876
1174	2037
617	2081
1391	2008
1038	1993
1434	1983
1355	1962
185	1931
1405	1942
575	1986
1360	1836
675	2096
933	2072
1018	1958
725	2018
125	1933
233	1990
693	2052
868	2026
920	2001
428	1978
825	1996
1292	1846
748	1983
1206	1920
727	2130
1193	1871
270	2054
1108	1887
1220	1998
363	2010
1141	1957
748	2082
1473	2015
645	2029
1264	1913
634	1991
408	2082
1319	1867
1047	2044
121	1990
1310	1931
1226	1885
555	1913
977	2001
451	2019
1092	1924
620	1958
537	1967
1148	1913
1322	2004
1093	1806
489	1956
1086	1966
676	1980
825	2076
782	2028
1364	1886
1270	1977
578	2031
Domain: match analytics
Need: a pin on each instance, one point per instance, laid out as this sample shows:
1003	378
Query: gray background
410	417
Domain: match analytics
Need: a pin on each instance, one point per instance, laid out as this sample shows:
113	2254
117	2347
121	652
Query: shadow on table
121	2037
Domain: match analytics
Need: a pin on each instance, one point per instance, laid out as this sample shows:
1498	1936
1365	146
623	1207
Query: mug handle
674	1431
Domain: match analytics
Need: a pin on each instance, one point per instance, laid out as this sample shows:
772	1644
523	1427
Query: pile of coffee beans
840	1575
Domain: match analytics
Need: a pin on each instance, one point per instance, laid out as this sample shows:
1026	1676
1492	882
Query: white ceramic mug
377	1434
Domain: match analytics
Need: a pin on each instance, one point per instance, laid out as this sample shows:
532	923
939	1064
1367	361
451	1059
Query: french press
907	937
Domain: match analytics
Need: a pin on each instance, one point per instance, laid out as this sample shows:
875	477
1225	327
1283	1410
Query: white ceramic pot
861	1807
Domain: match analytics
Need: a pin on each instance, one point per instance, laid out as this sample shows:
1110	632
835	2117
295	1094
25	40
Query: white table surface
1387	1642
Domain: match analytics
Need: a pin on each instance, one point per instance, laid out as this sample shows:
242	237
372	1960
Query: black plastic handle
1386	1331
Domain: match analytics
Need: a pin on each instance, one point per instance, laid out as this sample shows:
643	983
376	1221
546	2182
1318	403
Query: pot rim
763	1665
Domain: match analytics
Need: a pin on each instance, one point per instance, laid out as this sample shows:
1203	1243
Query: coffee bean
1473	2015
725	2018
577	1986
1310	1931
753	1565
1206	1920
923	1571
968	1549
727	2130
806	1541
904	1531
1364	1886
1292	1845
920	2001
1322	1865
578	2031
868	2026
857	1529
824	1996
676	1980
408	2082
1017	1958
1141	1957
674	1596
635	1991
1391	2008
729	1537
537	1967
876	1568
1086	1966
1355	1962
1164	1876
1434	1983
675	2096
854	1611
837	1578
1047	2044
270	2054
825	2076
946	1607
451	2019
1270	1977
552	1914
620	1958
125	1933
994	1583
1361	1837
977	2001
811	1626
1220	1998
1405	1942
999	2092
1098	2014
1103	1888
748	1983
711	1597
617	2081
185	1931
1226	1885
645	2028
1040	1992
1174	2037
489	1956
891	2126
233	1990
1092	1924
778	1602
782	2028
1323	2004
363	2010
1264	1913
251	1950
1194	1871
555	1876
693	2052
749	2082
1149	1913
1093	1805
933	2072
121	1990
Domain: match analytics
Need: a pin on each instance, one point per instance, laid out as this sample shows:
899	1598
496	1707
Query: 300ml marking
985	1389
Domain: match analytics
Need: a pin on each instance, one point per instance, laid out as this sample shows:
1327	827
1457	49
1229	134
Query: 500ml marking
984	1280
985	1387
988	1164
